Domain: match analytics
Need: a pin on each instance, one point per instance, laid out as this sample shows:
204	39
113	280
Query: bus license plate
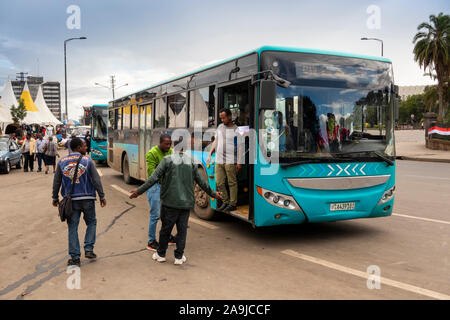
342	206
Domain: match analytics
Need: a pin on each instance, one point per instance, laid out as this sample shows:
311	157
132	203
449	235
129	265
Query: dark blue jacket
87	182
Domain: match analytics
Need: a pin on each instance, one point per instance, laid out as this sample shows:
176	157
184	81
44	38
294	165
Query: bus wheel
126	171
202	207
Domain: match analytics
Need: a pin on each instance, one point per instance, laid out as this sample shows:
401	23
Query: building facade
50	89
405	91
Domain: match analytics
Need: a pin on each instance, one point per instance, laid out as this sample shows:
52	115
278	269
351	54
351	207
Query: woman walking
50	153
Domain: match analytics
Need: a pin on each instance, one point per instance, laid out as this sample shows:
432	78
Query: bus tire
202	206
126	171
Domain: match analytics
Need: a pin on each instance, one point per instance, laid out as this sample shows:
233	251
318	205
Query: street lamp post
375	40
65	75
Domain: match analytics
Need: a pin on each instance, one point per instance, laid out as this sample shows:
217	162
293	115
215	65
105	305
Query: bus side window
160	114
126	117
119	118
111	120
134	113
148	121
201	107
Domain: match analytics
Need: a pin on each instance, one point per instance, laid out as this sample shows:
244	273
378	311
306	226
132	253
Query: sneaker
158	258
153	246
230	208
172	240
73	262
90	255
180	261
222	207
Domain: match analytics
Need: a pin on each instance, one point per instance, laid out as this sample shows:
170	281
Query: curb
422	159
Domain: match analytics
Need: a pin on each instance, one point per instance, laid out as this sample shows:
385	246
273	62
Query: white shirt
226	149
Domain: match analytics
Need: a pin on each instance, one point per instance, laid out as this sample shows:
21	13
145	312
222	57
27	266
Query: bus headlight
278	199
387	195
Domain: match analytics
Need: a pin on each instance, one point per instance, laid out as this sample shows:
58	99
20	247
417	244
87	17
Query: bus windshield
99	126
334	106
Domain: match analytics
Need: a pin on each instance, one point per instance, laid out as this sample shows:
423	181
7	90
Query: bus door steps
241	212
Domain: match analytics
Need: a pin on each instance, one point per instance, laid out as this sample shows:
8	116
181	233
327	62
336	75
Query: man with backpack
87	182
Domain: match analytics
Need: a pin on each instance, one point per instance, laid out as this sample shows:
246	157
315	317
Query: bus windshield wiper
385	159
316	160
388	161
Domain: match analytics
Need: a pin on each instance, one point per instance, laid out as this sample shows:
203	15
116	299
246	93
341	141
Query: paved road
227	259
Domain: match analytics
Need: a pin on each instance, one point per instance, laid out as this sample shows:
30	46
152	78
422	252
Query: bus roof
100	105
259	51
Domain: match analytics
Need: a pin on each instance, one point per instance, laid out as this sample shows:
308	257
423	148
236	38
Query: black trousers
29	161
169	218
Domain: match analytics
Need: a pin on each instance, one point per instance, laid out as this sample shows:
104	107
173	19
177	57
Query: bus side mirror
396	103
268	94
395	89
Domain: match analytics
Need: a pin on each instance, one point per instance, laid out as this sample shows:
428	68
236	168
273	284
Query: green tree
412	105
431	51
19	113
430	98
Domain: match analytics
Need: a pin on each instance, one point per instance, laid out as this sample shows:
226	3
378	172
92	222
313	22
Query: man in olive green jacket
177	174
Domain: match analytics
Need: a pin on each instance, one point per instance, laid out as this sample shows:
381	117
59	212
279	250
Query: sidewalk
410	145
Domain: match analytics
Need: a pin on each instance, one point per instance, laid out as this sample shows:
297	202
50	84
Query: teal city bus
99	130
322	147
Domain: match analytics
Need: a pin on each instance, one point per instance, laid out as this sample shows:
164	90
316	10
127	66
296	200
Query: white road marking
364	275
428	177
100	173
194	220
420	218
120	189
203	223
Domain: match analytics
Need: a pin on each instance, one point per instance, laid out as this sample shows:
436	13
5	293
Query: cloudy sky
142	42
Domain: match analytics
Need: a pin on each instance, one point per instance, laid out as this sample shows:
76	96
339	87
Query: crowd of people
40	144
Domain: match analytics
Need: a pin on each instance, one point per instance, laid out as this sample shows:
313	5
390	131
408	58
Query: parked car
10	155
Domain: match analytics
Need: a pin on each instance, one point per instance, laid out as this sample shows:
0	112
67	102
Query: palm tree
431	51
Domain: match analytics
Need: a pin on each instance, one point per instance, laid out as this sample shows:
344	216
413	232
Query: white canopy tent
45	115
7	100
33	113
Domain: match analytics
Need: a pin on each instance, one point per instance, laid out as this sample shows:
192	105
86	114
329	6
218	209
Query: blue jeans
153	195
40	156
88	209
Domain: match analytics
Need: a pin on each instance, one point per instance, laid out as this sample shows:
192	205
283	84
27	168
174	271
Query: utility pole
112	87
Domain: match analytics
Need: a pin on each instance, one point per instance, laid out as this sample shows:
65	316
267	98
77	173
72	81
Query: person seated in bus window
283	131
332	132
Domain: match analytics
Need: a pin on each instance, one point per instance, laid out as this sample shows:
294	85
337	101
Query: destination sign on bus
326	71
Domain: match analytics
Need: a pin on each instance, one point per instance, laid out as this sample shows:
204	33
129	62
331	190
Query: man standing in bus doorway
153	159
225	143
